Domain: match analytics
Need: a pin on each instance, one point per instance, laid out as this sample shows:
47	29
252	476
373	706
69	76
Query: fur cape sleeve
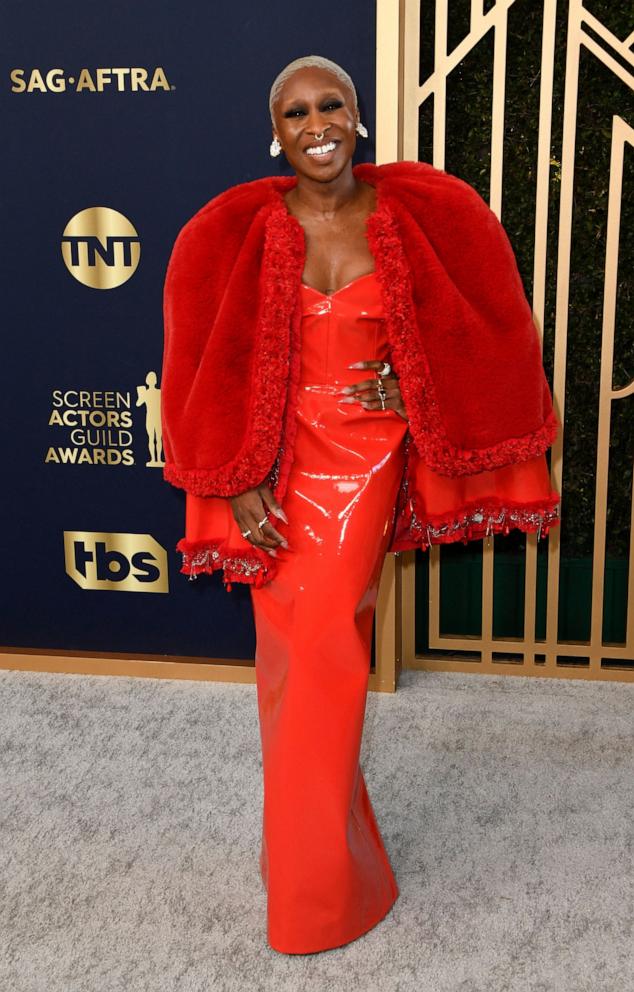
212	390
472	378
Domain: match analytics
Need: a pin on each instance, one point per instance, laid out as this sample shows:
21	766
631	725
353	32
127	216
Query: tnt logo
100	247
119	562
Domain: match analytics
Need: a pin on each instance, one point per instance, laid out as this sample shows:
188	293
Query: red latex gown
322	858
328	875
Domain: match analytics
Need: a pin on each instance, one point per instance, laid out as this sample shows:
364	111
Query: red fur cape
463	344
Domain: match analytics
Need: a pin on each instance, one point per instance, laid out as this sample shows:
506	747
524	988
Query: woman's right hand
248	509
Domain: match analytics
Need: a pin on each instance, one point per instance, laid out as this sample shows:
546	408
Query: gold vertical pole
388	80
440	83
547	72
620	133
410	38
561	313
388	620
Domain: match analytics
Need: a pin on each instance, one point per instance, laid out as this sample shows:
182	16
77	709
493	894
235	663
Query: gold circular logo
100	247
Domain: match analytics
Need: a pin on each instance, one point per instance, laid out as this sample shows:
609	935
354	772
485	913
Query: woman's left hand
367	390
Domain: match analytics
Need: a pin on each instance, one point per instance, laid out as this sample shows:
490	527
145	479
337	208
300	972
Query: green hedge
601	95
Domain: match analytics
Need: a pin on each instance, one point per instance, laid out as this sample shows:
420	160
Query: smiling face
314	101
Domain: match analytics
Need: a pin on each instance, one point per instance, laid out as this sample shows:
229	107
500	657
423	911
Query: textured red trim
283	263
289	428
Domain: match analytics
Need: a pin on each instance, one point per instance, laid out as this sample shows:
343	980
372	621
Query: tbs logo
119	562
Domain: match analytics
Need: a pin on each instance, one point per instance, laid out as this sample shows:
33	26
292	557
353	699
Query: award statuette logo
101	248
149	396
94	426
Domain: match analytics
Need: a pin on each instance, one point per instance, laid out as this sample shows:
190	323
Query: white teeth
321	149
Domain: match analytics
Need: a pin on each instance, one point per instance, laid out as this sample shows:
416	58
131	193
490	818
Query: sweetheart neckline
329	296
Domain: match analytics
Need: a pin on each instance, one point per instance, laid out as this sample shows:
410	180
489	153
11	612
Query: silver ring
245	533
263	521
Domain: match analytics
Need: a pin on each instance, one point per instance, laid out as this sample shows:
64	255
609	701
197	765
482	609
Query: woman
350	351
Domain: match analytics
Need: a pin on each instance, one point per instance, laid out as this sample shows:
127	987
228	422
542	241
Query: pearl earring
362	129
276	148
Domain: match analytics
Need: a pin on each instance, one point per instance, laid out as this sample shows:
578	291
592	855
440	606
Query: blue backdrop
89	122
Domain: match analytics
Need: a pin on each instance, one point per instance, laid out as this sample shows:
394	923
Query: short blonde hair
304	62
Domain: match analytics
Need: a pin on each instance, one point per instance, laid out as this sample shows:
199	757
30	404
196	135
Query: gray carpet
130	827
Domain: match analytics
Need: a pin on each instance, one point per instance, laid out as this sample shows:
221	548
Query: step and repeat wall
120	121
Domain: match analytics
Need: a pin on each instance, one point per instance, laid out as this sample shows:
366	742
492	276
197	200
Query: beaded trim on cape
236	565
475	522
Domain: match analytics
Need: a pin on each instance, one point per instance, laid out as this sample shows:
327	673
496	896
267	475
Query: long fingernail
279	512
272	551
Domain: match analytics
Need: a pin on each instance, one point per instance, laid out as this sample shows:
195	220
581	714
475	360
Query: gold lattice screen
423	48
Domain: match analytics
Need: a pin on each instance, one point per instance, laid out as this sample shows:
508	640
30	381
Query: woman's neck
325	199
